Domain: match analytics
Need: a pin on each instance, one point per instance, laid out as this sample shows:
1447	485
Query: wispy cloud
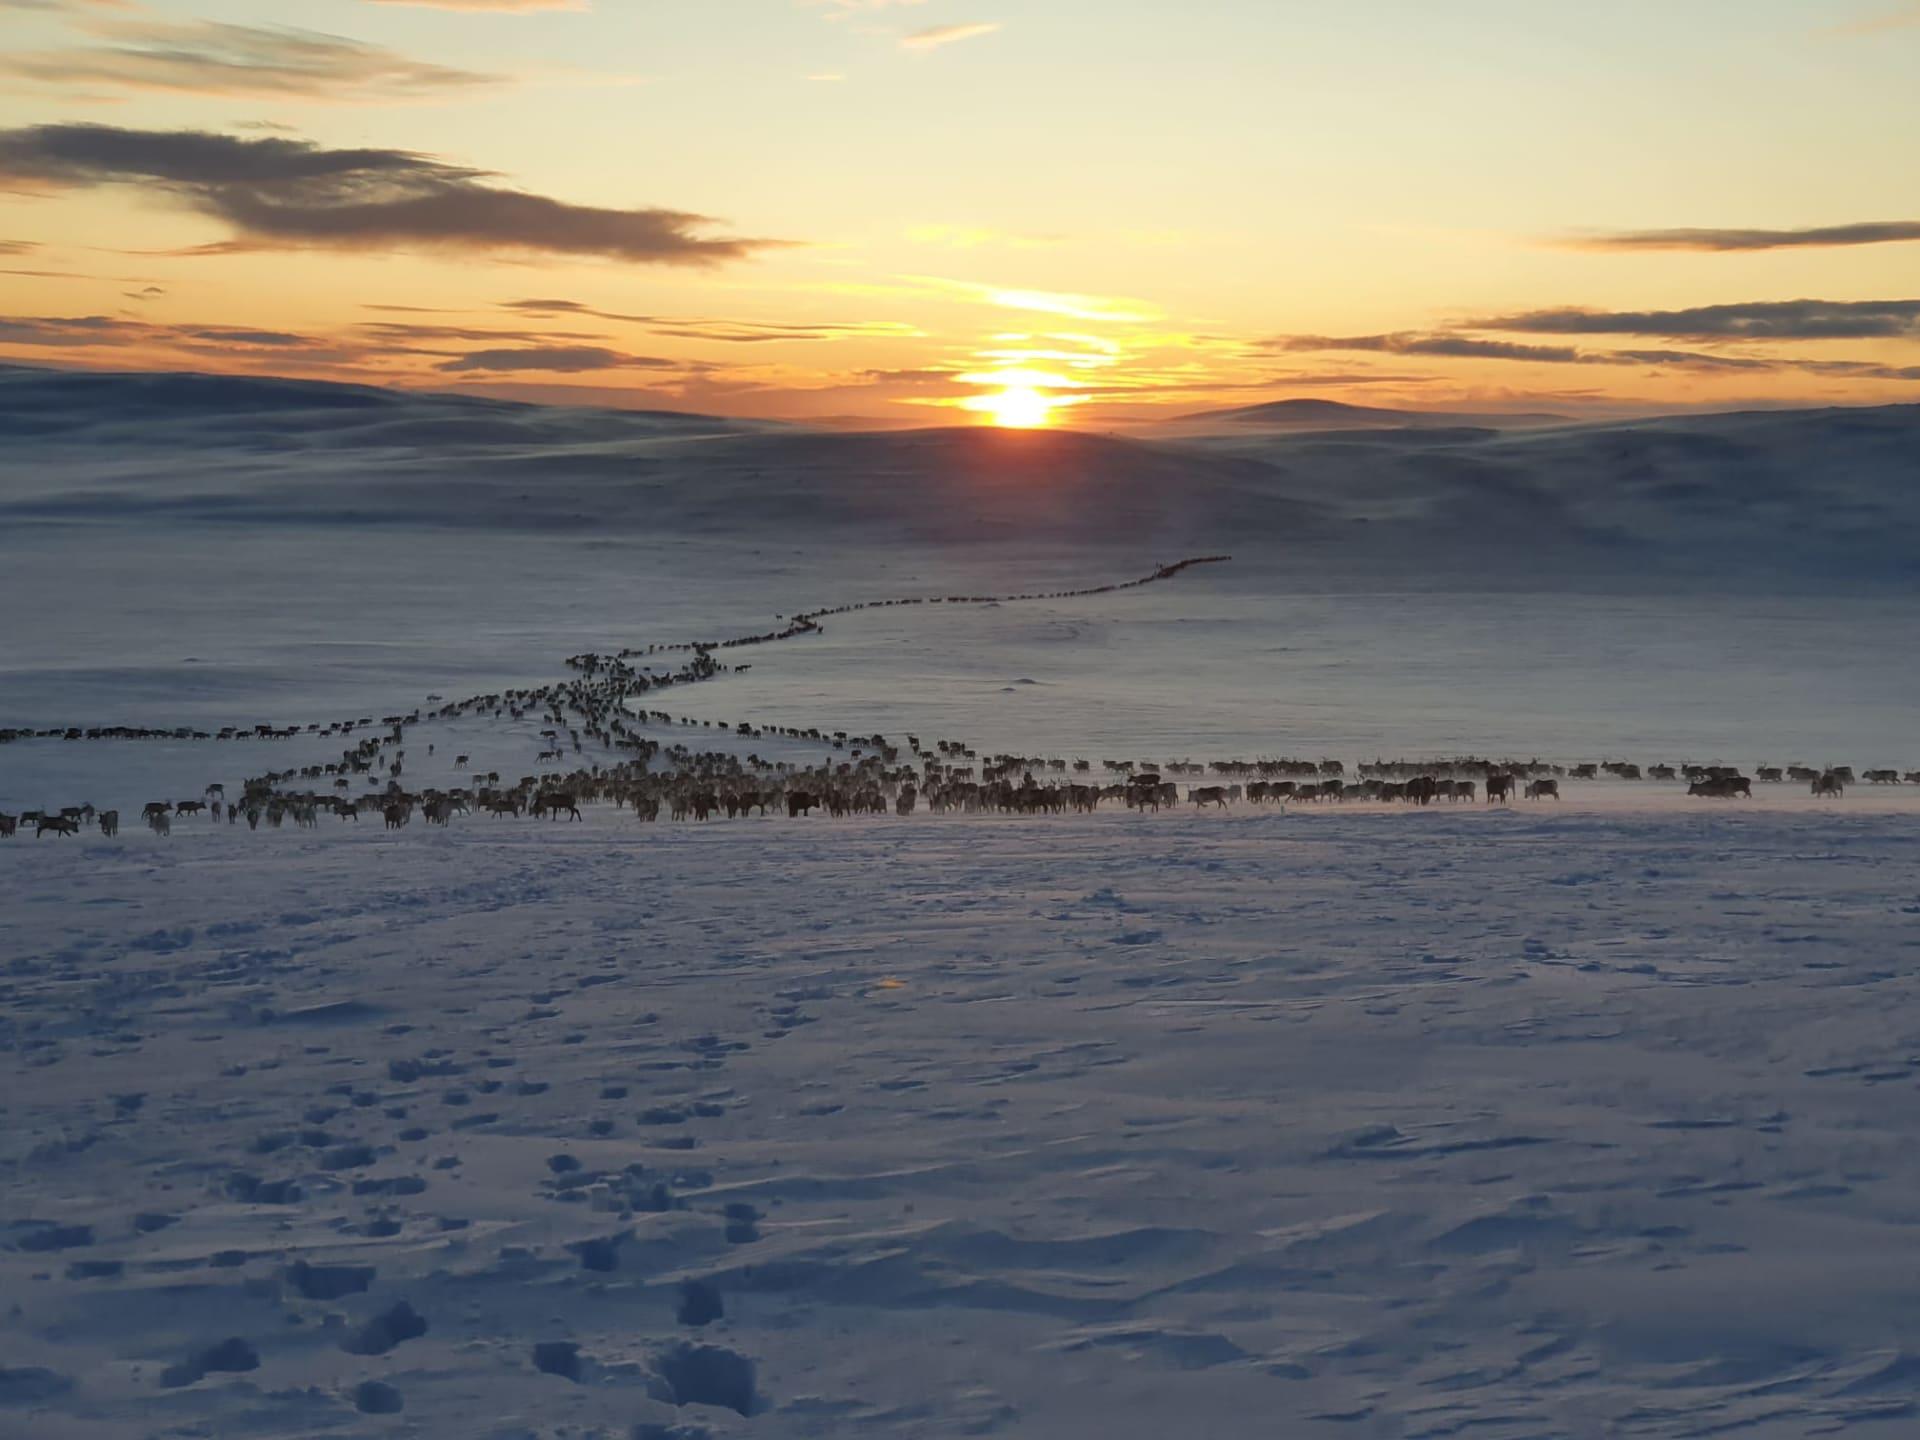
555	360
1870	232
107	331
17	247
1447	346
1100	308
279	193
939	35
1755	320
736	332
1466	347
206	58
412	333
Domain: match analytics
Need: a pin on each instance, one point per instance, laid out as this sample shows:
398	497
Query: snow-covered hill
1785	497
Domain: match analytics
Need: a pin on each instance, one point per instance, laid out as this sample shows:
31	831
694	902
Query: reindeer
1499	787
109	823
1828	786
9	826
1543	789
1722	787
58	824
159	821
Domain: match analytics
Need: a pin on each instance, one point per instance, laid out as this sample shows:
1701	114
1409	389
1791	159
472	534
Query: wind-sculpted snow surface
1498	1124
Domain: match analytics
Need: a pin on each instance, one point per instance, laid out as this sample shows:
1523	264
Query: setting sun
1018	408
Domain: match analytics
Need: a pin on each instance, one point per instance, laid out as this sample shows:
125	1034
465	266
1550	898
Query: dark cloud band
276	192
1754	320
1872	232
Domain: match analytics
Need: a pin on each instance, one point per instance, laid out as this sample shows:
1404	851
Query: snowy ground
1579	1120
1497	1123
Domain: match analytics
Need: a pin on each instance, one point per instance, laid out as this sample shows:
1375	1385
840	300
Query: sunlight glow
1019	407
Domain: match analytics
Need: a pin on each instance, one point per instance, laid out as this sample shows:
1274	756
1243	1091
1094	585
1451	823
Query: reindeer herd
878	777
603	705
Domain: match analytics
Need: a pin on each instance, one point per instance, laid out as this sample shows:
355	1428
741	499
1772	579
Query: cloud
1870	232
98	331
1098	308
1454	346
209	58
933	39
1757	320
554	359
280	193
1465	347
413	333
736	332
17	247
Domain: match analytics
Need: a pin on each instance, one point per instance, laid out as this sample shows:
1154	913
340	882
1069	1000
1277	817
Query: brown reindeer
1722	787
58	824
109	823
1543	789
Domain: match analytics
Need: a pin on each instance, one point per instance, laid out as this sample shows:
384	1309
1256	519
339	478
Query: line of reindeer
598	705
878	778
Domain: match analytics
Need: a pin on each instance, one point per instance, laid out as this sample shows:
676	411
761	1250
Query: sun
1019	407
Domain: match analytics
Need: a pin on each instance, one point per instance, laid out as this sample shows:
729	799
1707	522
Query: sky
912	212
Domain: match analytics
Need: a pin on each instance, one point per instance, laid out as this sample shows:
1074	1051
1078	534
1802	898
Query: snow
1499	1122
1580	1119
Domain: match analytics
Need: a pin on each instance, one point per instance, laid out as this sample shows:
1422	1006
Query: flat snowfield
1497	1124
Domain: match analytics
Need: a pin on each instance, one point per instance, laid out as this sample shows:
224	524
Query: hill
1778	497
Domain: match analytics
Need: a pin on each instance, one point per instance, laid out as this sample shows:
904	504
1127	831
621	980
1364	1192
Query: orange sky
921	211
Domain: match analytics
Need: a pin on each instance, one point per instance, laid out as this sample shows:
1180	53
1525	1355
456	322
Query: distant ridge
44	394
1811	497
1315	414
